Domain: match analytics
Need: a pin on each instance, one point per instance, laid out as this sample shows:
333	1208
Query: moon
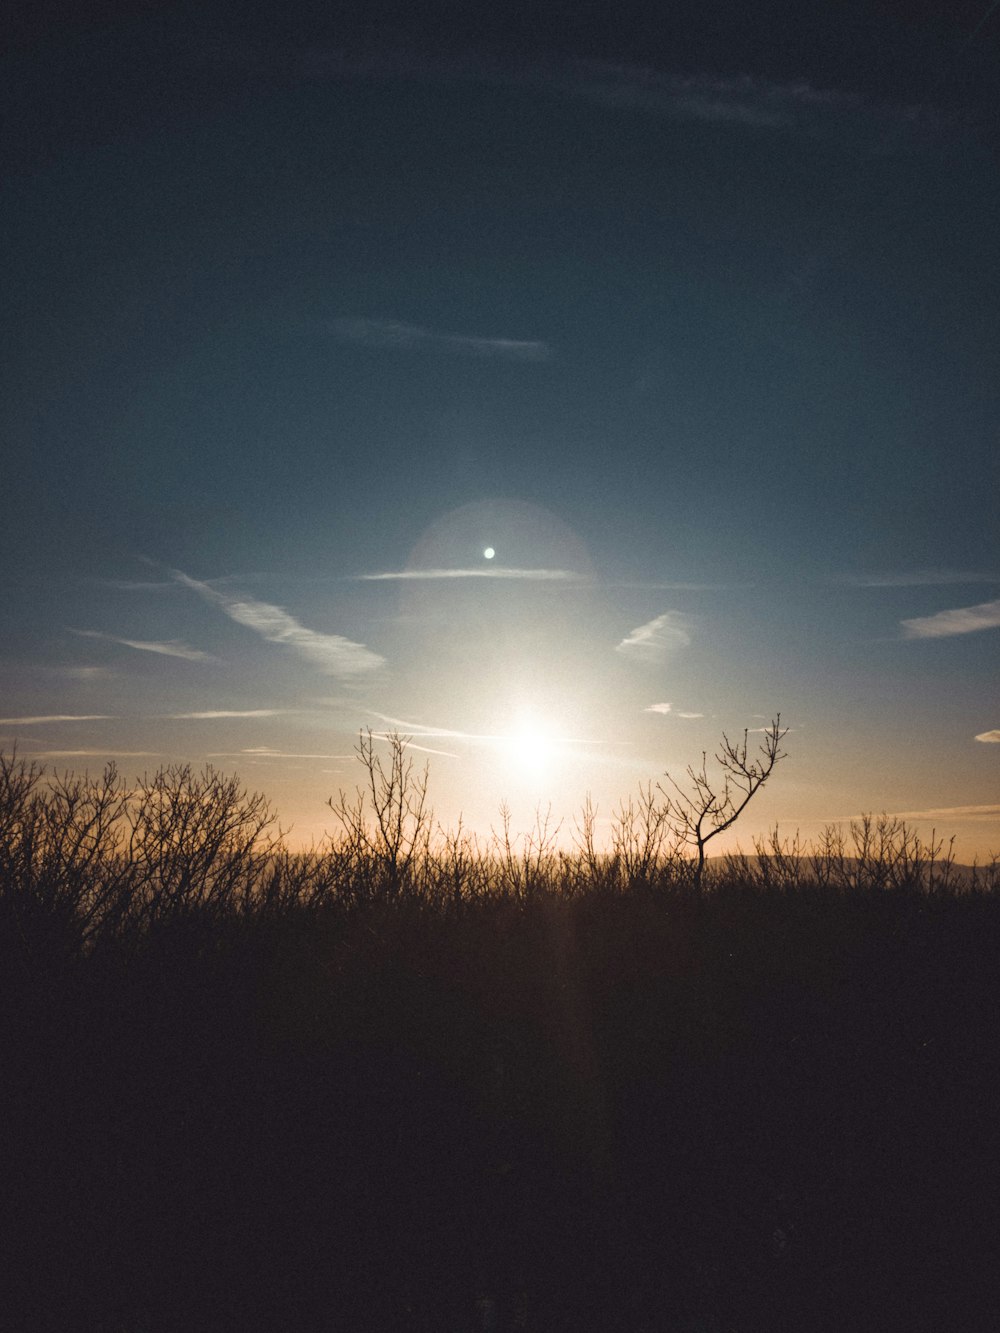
530	537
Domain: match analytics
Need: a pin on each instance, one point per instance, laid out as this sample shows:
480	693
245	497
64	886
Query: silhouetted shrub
247	1089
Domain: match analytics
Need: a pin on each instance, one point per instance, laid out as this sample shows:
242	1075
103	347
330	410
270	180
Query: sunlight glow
489	553
531	748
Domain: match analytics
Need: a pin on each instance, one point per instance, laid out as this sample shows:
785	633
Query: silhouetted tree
387	825
198	841
705	809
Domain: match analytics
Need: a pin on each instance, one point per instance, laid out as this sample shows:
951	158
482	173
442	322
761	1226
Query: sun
531	748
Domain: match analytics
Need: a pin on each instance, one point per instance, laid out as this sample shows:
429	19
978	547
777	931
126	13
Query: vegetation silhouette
417	1080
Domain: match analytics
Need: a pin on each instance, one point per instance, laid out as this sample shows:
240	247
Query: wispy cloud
54	717
973	812
961	620
663	709
656	640
741	101
990	737
392	334
80	673
330	653
167	648
412	745
744	102
485	572
170	717
266	752
138	585
660	585
918	578
419	731
95	754
401	727
229	712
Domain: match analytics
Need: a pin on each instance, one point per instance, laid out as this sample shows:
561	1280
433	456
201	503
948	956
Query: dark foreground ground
731	1112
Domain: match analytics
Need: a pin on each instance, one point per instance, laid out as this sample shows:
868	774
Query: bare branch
699	812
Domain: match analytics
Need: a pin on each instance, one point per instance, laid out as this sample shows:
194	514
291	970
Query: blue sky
696	330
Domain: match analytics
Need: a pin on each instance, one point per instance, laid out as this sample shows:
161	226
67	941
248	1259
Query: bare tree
59	842
388	844
198	841
525	870
642	837
705	808
883	852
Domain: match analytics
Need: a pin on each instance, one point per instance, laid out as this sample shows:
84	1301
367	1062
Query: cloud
226	712
919	578
657	708
95	754
973	812
400	727
422	732
419	728
392	334
265	752
735	110
743	102
990	737
961	620
330	653
689	716
486	572
168	647
659	585
171	717
412	745
54	717
656	640
137	585
84	673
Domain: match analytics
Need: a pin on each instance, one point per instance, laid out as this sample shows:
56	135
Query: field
465	1090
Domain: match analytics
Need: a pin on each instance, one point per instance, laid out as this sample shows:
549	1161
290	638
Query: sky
559	392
